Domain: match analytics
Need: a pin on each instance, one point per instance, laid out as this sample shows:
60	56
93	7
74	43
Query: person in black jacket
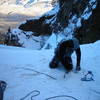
63	54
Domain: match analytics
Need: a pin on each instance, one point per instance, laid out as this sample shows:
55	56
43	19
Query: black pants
67	63
54	62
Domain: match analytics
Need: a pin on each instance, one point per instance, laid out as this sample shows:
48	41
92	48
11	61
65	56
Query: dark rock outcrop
90	29
38	26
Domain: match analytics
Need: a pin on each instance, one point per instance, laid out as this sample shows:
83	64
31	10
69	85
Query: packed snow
27	74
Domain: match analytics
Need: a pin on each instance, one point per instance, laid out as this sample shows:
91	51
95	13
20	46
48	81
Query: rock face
81	17
88	32
90	29
38	26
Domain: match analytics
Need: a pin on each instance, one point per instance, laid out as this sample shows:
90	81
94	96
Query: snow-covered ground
27	74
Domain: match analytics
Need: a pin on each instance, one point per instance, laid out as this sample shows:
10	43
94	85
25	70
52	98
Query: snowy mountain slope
21	2
27	71
51	23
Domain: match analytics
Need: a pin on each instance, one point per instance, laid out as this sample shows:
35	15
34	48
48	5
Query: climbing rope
37	92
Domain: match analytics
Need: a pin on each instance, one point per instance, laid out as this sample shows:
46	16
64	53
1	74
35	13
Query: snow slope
27	74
